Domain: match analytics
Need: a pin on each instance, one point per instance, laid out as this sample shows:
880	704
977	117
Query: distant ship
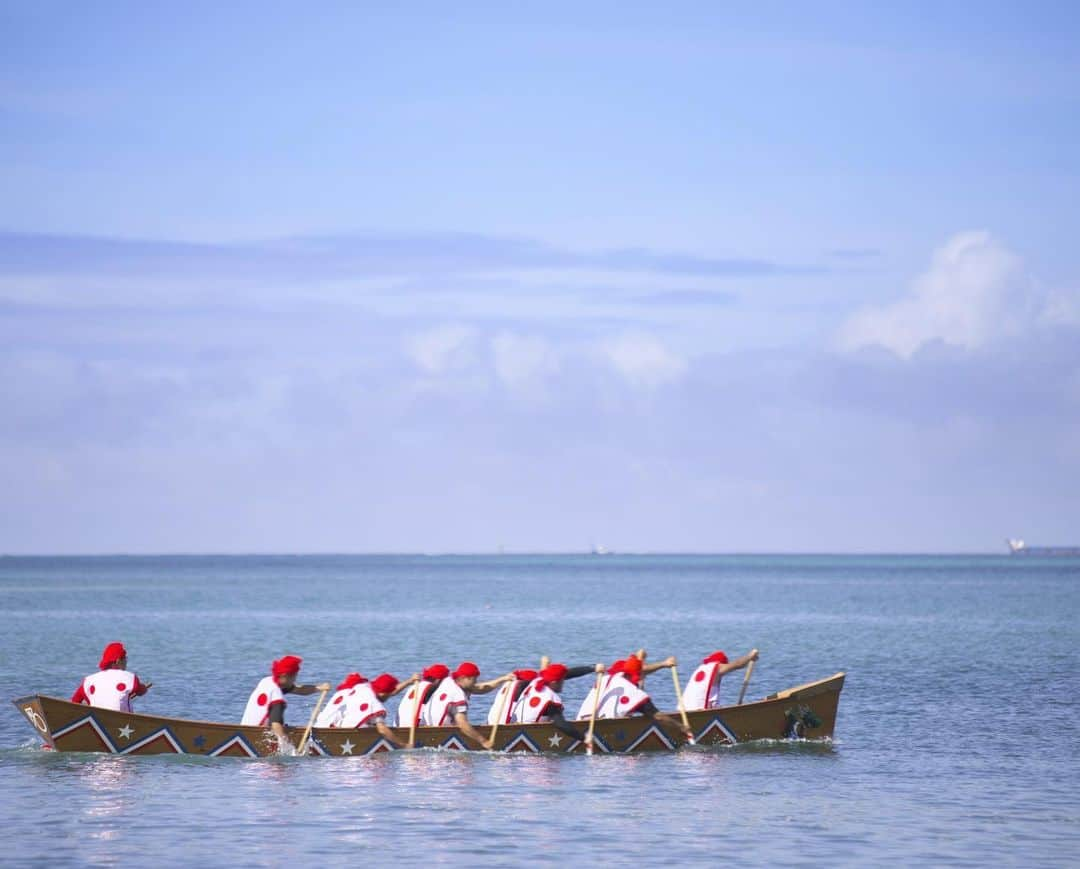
599	550
1019	547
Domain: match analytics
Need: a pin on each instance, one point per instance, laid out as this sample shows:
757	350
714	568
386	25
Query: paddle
678	698
640	654
745	682
595	708
311	721
415	714
503	697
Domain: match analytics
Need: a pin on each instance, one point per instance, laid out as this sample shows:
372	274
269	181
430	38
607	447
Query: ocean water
957	740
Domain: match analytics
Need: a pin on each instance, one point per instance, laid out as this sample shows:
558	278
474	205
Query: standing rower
266	705
113	686
449	702
703	687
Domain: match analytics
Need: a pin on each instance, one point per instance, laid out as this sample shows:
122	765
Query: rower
449	702
113	686
502	707
621	695
359	703
266	705
412	704
703	687
542	702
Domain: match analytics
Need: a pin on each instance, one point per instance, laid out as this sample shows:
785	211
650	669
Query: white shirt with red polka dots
448	700
502	710
407	711
362	707
536	702
619	697
110	689
331	714
265	695
703	688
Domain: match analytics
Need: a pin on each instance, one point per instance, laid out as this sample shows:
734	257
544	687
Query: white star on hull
126	731
555	741
347	747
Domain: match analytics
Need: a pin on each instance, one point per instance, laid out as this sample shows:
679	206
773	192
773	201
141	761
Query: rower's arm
463	723
560	723
485	687
277	725
304	690
661	719
575	672
738	663
388	734
659	665
413	679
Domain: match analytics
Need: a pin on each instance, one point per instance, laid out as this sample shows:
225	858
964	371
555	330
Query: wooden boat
804	712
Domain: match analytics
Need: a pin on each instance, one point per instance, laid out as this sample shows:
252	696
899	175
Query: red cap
287	666
716	658
351	681
465	669
384	684
553	673
632	668
617	667
525	675
113	653
435	673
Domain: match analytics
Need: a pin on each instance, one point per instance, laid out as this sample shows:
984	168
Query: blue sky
769	277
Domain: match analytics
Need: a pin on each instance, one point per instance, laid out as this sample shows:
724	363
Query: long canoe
804	712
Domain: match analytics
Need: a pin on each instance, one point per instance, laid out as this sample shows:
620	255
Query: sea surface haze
956	742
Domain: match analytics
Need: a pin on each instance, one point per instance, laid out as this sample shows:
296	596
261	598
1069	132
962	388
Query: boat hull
804	712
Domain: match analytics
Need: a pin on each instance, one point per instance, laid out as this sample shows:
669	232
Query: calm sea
958	738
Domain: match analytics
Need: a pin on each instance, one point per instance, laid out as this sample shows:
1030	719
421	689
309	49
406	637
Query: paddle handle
595	708
504	696
745	682
415	716
679	700
311	722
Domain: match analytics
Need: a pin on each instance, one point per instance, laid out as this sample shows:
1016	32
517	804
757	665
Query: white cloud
438	350
975	291
522	361
642	360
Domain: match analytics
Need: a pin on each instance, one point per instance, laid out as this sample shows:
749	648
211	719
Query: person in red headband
622	694
542	700
266	705
504	701
449	702
703	686
411	705
359	703
113	686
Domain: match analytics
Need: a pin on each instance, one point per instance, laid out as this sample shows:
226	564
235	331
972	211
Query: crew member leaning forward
266	705
449	702
621	695
359	703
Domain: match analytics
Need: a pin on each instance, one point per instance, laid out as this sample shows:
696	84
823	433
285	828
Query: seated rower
412	704
359	703
266	705
621	695
502	707
703	687
114	686
542	702
449	702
